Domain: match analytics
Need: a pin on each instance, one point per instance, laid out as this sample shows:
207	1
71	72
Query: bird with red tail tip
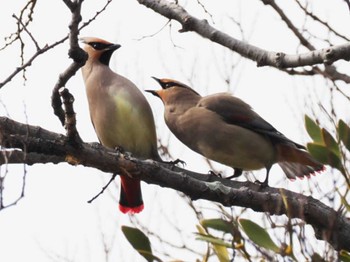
225	129
120	114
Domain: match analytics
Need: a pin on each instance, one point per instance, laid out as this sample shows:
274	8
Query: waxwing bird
120	115
226	129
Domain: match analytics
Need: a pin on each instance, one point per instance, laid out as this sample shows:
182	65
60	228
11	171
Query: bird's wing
234	111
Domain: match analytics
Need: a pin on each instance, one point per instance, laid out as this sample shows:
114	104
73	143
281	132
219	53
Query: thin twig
155	33
103	189
263	57
325	24
290	24
27	31
48	47
15	36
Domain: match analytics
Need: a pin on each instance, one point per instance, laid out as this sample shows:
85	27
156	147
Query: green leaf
258	235
344	133
213	240
221	252
139	242
313	130
202	231
344	256
325	155
219	246
218	224
330	142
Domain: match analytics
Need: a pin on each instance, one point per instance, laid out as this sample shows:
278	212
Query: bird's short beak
153	92
158	80
114	47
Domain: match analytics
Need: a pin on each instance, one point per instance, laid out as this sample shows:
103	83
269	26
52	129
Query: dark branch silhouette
36	145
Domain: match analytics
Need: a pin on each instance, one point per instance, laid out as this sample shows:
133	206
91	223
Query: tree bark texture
262	57
28	144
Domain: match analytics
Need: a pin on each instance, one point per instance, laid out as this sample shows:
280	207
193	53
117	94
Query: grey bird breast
120	113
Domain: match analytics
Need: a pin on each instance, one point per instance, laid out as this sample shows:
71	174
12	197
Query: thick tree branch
330	71
37	145
262	57
67	115
76	53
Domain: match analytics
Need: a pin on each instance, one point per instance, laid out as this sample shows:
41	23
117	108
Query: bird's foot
262	184
266	181
212	173
236	173
175	162
121	151
95	145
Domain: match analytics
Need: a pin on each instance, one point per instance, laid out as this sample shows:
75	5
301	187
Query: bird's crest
89	39
166	83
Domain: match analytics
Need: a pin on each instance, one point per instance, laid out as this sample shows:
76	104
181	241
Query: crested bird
225	129
120	114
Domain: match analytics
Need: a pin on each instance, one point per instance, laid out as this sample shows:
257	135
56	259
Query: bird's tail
296	162
130	195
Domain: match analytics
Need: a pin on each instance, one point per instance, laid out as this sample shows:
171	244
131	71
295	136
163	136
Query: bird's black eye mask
165	84
99	46
168	84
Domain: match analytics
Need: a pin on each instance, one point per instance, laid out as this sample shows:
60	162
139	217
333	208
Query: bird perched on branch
120	115
226	129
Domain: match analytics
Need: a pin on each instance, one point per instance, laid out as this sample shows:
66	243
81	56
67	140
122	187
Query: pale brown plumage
225	129
120	115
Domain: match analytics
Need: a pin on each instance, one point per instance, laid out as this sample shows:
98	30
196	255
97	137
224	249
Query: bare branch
29	62
29	6
330	72
21	195
262	57
325	24
328	224
67	116
96	15
48	47
71	5
27	31
70	120
103	189
289	23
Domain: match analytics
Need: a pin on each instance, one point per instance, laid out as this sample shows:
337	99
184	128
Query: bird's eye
169	84
97	45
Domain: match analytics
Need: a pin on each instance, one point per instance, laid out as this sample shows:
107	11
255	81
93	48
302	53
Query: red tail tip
309	175
131	210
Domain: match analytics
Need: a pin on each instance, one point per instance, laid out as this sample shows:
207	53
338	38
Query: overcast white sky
54	219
